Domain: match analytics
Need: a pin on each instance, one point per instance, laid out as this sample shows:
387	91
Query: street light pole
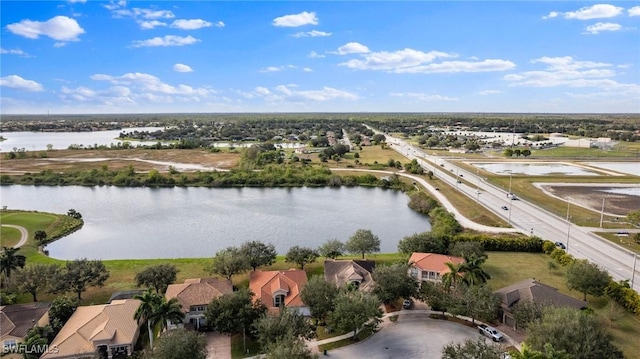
633	273
568	225
602	212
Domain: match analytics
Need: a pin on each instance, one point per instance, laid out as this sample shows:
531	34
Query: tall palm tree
146	312
9	260
527	353
451	278
168	310
473	273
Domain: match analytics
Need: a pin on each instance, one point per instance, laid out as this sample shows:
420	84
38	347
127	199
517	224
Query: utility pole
568	225
602	212
633	273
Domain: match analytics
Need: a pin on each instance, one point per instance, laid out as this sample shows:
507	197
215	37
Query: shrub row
503	243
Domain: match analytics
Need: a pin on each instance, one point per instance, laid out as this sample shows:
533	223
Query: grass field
625	241
9	237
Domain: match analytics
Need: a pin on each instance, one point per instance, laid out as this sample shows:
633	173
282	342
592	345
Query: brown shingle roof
264	283
341	272
108	323
434	262
16	320
198	291
530	289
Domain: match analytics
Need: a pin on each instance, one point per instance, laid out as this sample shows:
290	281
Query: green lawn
627	242
9	237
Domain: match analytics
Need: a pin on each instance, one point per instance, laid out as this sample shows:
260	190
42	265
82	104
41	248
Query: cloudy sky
338	56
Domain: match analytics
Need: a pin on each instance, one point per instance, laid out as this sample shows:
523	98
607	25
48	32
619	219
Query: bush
502	243
548	247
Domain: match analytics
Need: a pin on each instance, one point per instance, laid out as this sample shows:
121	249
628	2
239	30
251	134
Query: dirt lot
140	159
590	195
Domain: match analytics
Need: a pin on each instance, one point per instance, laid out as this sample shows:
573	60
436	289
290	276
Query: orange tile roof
108	323
433	262
264	283
198	291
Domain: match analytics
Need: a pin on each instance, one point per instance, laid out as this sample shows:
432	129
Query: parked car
461	175
490	332
406	304
505	208
561	245
437	189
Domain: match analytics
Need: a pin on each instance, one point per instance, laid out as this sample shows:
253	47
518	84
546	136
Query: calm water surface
535	169
126	223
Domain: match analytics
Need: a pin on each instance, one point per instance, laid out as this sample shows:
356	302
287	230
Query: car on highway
561	245
505	208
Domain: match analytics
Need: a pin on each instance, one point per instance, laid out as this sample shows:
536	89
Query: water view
632	168
127	223
535	169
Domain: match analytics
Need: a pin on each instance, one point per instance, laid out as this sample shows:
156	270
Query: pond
535	169
632	168
128	223
38	141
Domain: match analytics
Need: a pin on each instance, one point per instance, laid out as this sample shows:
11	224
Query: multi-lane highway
528	218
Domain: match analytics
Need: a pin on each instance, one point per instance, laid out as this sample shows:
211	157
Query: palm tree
474	274
146	312
527	353
169	310
9	260
451	278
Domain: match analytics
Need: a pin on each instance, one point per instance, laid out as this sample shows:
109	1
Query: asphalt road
411	337
528	218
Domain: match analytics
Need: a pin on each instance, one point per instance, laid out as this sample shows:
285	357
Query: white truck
490	332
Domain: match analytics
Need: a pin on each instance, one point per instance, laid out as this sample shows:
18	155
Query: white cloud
315	55
18	83
168	40
489	92
182	68
634	11
394	61
219	24
77	1
143	13
150	83
271	69
312	33
352	48
263	91
424	97
597	11
295	20
307	69
147	25
192	24
325	94
13	52
565	71
488	65
603	26
59	28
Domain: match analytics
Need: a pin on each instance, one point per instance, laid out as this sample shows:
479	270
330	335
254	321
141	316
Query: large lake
127	223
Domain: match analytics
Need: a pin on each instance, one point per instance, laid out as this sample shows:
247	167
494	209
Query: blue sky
69	57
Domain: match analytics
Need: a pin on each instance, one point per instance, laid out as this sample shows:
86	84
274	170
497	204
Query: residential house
277	289
194	295
532	290
104	331
16	320
350	272
431	266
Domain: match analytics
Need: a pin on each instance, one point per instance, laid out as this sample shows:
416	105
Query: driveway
218	346
412	336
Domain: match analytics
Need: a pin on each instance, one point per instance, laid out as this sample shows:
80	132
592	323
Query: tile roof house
16	320
106	330
278	289
431	266
350	272
194	295
532	290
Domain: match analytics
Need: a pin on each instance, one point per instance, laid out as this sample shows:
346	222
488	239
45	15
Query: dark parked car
561	245
406	304
505	208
